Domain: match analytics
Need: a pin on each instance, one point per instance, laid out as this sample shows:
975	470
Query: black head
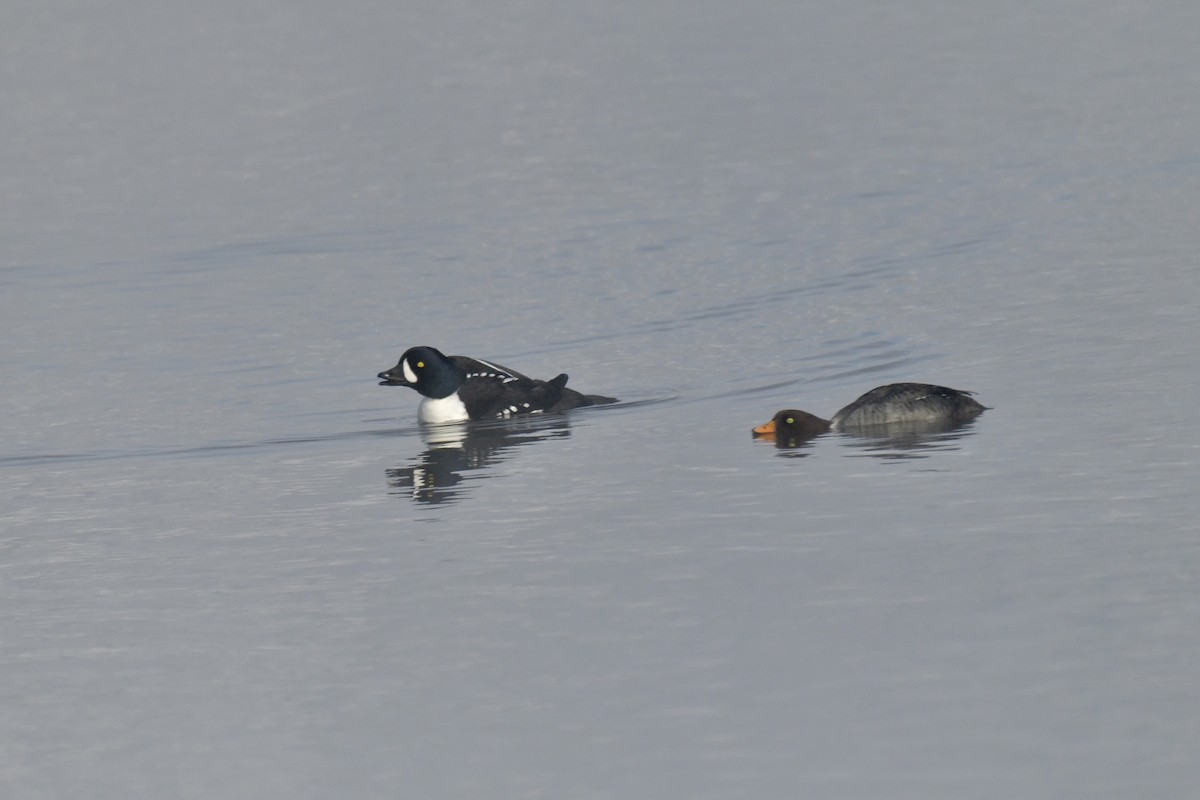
427	370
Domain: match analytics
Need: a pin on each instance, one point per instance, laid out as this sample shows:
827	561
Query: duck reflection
895	440
438	475
907	440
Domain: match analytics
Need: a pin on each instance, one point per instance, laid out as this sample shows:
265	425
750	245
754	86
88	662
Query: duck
461	388
896	403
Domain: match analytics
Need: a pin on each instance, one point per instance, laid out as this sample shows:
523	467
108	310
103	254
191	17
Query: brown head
791	425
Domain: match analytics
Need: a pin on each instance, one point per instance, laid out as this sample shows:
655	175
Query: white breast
445	409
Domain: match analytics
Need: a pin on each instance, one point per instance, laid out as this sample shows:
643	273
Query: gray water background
233	566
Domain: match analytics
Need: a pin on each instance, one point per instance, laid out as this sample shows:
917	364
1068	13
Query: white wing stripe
500	372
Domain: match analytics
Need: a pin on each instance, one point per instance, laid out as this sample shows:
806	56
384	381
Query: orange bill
766	429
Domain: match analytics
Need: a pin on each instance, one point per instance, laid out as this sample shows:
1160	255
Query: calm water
234	566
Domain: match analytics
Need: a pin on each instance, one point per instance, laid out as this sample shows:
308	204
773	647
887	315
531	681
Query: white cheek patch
409	375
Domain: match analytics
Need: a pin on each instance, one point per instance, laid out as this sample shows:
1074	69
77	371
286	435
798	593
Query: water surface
235	566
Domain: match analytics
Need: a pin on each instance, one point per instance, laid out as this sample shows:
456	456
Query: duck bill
392	378
766	429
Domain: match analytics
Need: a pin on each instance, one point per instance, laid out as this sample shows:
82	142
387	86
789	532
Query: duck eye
790	420
420	365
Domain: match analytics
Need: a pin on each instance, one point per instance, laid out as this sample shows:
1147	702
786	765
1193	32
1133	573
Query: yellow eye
791	421
420	365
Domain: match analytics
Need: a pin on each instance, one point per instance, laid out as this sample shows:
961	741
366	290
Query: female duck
885	405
